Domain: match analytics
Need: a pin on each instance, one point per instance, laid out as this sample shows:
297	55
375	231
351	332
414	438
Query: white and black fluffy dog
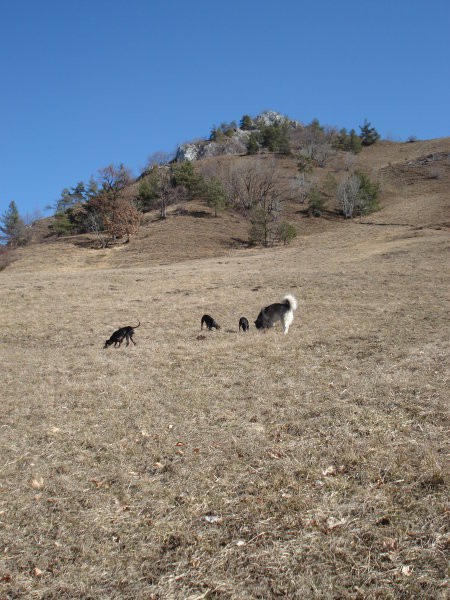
282	311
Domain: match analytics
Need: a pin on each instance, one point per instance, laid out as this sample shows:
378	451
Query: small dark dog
243	324
122	334
282	311
209	322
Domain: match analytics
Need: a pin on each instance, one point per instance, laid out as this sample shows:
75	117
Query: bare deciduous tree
113	180
257	190
159	158
348	194
95	224
301	187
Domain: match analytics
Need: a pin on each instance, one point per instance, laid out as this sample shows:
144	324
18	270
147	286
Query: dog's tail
290	302
136	326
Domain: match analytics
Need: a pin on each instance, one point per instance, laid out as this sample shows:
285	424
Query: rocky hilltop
235	144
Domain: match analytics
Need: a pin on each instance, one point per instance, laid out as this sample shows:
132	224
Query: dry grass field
221	464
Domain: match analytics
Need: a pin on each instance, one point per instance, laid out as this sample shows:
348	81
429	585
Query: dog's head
259	323
107	344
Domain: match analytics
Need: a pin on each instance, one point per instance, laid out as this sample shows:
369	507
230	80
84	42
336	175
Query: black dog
122	334
209	322
243	324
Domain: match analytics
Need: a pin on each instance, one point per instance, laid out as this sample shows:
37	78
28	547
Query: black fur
279	311
122	334
243	324
209	322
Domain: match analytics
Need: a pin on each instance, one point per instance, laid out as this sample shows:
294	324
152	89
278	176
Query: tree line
110	205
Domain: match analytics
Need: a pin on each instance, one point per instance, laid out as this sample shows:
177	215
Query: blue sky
87	83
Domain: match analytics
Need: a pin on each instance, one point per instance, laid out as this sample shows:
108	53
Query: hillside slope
415	179
227	465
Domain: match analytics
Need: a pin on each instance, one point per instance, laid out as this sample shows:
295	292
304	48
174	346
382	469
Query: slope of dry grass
236	466
229	465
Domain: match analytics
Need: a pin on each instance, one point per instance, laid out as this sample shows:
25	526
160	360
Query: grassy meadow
222	464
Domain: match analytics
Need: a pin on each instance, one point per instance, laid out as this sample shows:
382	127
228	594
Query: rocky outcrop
270	117
235	145
205	149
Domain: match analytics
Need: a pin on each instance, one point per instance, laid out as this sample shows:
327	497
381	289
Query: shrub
6	257
62	224
304	163
286	232
358	195
276	137
369	193
224	130
350	142
316	202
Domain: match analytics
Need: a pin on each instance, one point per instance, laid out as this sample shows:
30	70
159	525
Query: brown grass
311	465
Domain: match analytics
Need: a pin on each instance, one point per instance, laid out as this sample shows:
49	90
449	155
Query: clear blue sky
87	83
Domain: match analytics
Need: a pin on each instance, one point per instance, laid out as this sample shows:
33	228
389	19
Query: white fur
289	316
292	301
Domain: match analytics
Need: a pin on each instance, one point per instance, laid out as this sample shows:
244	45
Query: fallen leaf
212	518
407	570
331	470
333	523
37	483
38	572
390	543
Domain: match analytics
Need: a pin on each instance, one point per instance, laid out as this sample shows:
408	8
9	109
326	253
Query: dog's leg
131	338
287	320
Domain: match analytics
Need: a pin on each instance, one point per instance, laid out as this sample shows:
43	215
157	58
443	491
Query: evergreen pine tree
12	225
246	123
252	144
214	195
369	135
184	174
355	144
